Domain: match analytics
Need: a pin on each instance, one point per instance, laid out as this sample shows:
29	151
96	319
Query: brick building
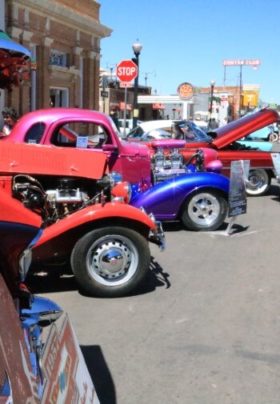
64	37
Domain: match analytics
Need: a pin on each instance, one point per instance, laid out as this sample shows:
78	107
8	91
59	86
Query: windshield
155	134
189	131
135	133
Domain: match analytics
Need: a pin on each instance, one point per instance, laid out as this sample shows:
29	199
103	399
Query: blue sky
187	41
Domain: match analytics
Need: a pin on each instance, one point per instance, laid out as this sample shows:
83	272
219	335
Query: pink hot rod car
85	129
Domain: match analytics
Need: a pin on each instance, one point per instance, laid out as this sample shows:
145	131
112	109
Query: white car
151	126
166	129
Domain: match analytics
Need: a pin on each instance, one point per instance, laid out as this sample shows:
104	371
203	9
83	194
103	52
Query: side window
80	135
35	133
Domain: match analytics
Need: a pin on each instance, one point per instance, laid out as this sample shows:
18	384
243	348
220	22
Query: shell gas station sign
185	91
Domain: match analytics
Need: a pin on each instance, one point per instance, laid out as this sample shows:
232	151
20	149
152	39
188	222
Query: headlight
122	192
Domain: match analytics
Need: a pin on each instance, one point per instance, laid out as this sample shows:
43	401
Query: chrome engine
54	198
167	165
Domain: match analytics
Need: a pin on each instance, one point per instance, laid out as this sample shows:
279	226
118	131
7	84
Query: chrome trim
157	236
24	263
118	199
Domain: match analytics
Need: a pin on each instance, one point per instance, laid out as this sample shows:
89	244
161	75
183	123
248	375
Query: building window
58	58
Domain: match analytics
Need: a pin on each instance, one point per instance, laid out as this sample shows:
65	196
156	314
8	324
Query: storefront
65	42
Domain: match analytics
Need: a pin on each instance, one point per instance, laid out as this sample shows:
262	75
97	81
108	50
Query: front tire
273	137
110	261
204	211
259	182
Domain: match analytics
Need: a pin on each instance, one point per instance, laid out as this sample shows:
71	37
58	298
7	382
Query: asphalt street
205	327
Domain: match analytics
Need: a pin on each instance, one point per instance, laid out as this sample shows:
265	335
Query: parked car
194	194
164	129
34	331
268	133
62	129
154	134
226	141
87	220
85	129
148	126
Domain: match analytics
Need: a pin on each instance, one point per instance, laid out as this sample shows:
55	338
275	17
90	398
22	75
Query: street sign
125	84
104	94
185	91
127	70
242	62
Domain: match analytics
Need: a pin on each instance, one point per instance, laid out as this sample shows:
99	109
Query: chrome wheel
259	182
204	209
112	260
273	137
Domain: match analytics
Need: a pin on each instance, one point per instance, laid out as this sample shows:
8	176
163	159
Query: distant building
64	37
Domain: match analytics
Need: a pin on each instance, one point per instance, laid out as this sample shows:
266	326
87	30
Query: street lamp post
137	47
212	85
240	91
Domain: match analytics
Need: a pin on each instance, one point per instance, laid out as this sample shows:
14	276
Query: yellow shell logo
185	91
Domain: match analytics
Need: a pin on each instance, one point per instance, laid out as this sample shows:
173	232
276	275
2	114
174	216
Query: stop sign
127	70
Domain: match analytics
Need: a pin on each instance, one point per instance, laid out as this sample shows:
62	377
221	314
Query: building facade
64	38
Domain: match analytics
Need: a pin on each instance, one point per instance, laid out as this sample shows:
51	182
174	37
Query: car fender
93	213
13	211
165	199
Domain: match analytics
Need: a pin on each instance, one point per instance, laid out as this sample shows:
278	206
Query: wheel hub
204	208
111	260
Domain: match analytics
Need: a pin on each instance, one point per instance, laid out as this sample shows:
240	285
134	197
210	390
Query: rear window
35	133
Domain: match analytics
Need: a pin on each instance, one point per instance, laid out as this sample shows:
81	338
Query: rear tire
260	181
110	261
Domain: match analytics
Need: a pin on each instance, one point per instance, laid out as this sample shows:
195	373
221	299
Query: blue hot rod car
195	194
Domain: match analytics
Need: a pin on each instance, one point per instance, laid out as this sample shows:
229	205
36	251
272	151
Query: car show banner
237	191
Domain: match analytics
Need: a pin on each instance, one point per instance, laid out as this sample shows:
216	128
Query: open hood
32	159
239	128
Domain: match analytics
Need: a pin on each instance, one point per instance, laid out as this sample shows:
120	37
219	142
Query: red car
87	222
225	141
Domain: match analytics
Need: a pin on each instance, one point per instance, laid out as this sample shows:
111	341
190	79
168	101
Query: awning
12	47
15	62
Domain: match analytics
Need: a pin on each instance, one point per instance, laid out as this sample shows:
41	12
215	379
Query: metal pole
240	90
124	111
211	100
135	101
